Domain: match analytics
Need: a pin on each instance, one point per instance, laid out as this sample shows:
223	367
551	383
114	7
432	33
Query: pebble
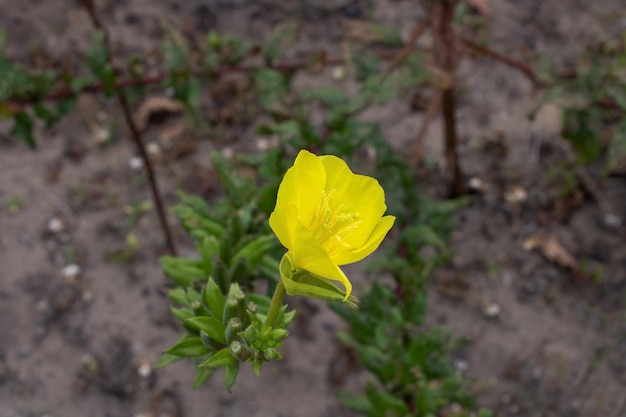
476	184
339	73
71	272
611	221
135	163
153	149
56	225
144	370
491	311
516	195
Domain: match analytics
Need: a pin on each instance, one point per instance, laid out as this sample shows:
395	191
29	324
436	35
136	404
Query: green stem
277	302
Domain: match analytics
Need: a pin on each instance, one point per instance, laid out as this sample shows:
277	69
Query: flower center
333	223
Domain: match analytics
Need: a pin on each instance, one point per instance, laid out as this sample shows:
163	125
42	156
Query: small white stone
515	195
153	149
135	163
56	225
476	184
71	271
339	73
492	310
144	370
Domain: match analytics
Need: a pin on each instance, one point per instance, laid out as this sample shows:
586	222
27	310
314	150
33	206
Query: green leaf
23	129
222	358
255	250
214	299
272	87
182	271
359	403
215	329
282	36
581	127
329	96
230	375
167	359
189	347
178	296
182	314
202	376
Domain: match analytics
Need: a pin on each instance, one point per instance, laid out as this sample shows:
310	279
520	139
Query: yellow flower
327	216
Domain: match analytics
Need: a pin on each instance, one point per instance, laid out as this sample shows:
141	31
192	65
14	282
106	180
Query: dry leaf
153	105
551	248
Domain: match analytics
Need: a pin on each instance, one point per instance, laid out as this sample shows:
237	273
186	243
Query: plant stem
134	131
277	303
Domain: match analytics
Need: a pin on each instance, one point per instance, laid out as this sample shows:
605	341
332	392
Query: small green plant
594	104
14	204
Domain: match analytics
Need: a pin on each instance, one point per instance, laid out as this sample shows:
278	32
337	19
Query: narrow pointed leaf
215	329
190	347
222	358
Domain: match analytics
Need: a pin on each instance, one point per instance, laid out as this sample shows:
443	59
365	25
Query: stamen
333	224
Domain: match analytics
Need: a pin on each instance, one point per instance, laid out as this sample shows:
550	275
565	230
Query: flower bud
239	351
232	329
270	354
278	335
230	309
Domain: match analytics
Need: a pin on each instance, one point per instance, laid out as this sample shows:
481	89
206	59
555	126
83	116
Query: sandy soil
541	343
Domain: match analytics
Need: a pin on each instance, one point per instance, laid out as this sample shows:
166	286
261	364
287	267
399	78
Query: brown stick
431	110
135	135
419	28
525	69
442	15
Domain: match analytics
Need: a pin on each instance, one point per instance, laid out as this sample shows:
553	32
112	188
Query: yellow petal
283	221
302	186
356	194
307	254
372	243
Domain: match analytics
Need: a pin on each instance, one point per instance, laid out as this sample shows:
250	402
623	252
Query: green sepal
189	347
222	358
305	283
215	329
